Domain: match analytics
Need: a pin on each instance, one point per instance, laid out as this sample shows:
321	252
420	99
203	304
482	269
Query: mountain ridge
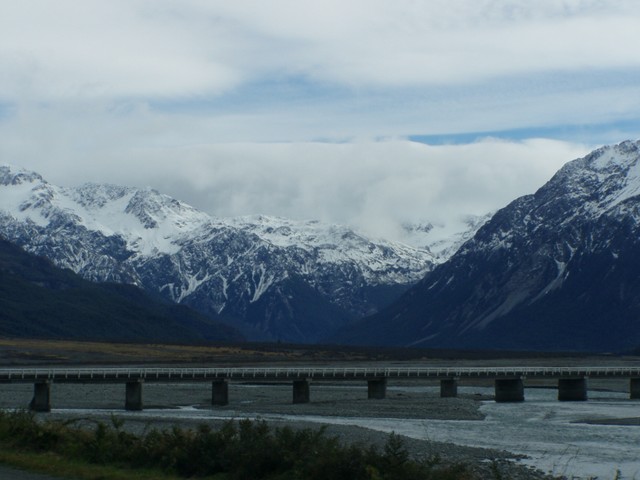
243	269
40	300
554	270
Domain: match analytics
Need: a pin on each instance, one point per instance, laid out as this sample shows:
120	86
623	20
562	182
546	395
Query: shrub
239	450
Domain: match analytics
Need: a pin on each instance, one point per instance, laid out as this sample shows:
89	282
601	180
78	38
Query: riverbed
597	438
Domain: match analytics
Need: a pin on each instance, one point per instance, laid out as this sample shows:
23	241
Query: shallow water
541	427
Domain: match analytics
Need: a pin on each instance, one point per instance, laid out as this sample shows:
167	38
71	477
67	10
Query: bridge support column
133	395
448	387
41	401
572	389
634	388
220	392
509	390
301	391
377	388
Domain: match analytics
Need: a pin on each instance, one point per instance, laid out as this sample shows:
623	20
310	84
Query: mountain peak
598	182
97	195
622	155
274	277
556	270
12	175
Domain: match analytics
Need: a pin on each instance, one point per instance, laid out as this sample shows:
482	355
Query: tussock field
67	352
15	352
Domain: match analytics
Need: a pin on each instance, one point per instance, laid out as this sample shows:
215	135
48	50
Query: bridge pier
509	390
301	391
41	401
572	389
133	395
448	387
220	392
634	388
377	388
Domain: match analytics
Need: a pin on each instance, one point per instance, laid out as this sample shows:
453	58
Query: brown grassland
24	352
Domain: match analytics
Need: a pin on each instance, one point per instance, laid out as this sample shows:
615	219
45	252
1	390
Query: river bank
188	405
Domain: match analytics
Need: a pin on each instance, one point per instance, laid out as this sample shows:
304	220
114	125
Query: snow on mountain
605	179
443	239
274	278
556	270
383	262
148	221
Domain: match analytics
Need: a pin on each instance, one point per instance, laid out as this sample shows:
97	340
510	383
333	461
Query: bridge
509	381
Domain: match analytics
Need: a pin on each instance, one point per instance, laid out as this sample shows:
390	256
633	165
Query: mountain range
555	270
271	278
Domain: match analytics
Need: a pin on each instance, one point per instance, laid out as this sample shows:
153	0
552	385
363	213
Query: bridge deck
109	374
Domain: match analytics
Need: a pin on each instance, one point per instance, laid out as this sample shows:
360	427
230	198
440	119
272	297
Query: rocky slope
556	270
39	300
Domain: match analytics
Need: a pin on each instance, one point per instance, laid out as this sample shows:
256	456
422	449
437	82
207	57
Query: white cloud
221	103
152	48
95	49
374	185
404	43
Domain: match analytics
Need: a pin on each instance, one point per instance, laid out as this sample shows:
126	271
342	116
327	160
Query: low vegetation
31	351
238	450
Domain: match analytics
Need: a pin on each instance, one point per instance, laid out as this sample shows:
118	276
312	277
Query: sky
370	113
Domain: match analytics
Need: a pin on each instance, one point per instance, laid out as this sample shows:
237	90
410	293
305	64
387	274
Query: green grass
237	451
56	465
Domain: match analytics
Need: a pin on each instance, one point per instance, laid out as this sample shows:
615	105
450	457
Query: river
553	435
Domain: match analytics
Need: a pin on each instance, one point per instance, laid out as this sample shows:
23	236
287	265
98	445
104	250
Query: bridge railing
283	373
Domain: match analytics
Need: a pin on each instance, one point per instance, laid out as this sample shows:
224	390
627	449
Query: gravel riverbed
165	406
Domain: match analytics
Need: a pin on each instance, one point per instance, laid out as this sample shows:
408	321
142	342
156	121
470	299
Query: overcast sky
365	112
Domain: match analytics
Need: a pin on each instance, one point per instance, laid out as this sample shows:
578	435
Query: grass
23	351
57	465
65	351
45	351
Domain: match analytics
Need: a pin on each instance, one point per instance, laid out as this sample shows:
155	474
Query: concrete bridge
508	381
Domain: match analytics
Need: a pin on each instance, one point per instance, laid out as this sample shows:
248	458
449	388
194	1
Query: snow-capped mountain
273	278
557	270
443	239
